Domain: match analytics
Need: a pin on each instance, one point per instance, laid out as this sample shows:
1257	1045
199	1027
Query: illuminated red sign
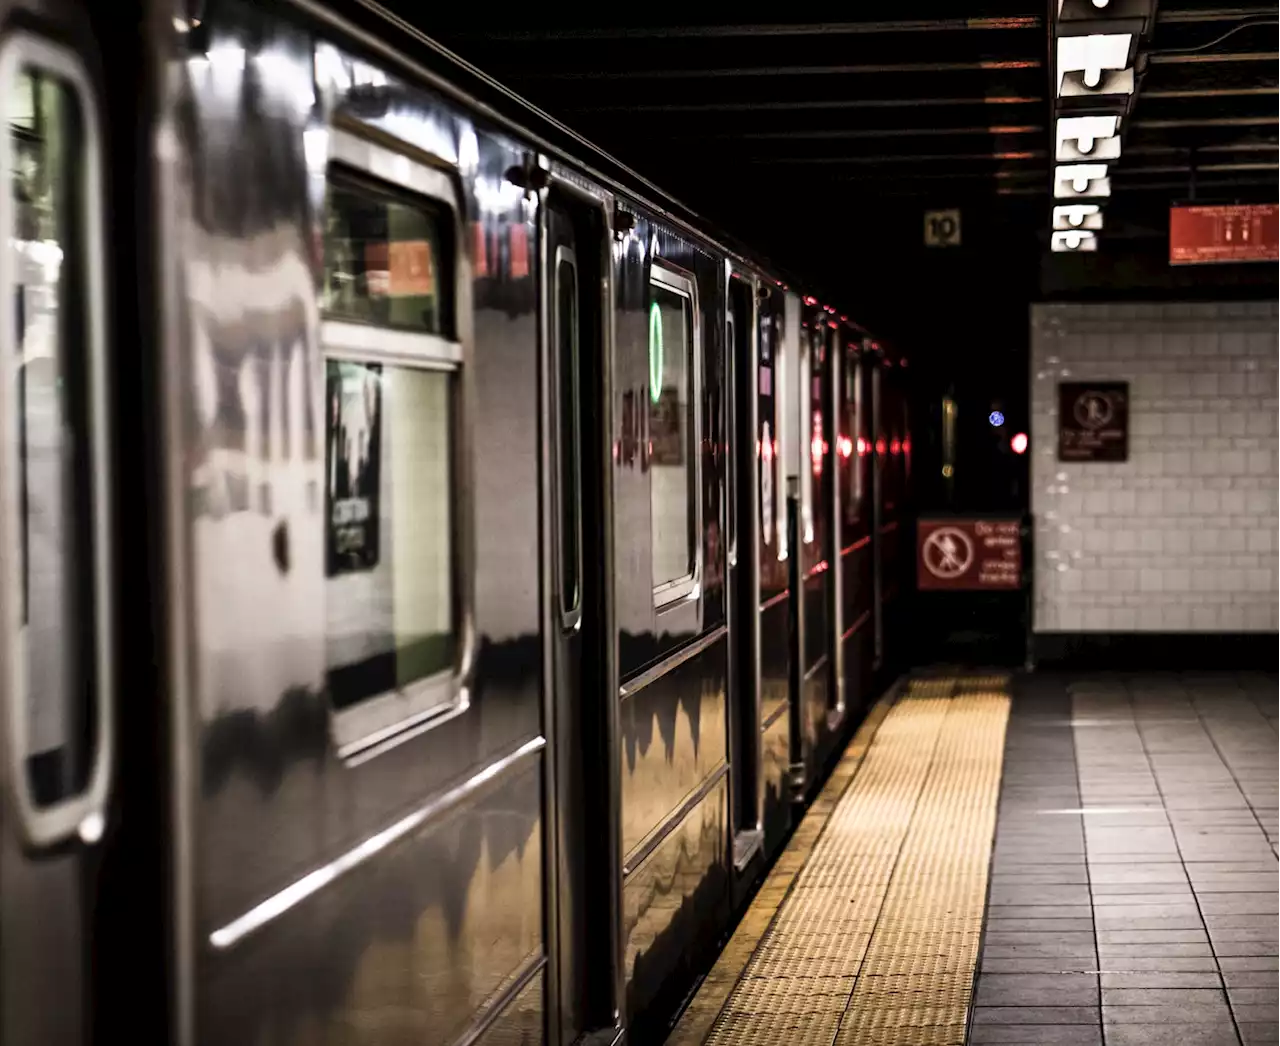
1241	233
971	554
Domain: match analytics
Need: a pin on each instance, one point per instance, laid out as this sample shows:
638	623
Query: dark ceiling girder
820	104
1215	14
1211	167
1022	154
1201	57
1206	92
887	132
995	65
906	25
1209	121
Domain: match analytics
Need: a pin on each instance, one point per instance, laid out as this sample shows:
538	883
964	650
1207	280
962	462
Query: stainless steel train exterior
436	570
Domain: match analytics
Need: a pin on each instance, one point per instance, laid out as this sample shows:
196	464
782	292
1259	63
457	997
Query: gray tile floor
1134	880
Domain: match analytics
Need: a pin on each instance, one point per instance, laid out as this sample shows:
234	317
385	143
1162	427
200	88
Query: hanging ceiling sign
1238	233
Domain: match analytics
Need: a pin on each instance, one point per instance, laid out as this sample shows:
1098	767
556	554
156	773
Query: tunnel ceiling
896	109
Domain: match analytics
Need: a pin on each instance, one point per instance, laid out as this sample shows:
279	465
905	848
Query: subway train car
437	569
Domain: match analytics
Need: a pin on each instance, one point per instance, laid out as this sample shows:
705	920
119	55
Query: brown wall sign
968	554
1093	421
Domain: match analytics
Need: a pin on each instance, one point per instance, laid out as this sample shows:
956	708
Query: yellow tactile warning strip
870	935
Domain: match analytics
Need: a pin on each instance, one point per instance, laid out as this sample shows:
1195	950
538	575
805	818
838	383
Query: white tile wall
1183	536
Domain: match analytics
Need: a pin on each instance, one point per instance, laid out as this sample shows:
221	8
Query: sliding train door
773	593
57	652
819	712
580	811
743	583
856	554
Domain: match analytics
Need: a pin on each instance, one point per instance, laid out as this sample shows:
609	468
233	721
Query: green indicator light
655	352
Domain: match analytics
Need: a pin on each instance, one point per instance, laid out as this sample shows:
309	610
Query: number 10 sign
942	228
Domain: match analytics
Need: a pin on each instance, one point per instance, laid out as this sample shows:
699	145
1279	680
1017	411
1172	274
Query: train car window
382	257
568	449
57	570
856	427
392	394
673	442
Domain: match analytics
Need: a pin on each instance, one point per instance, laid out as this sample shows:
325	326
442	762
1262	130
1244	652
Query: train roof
390	35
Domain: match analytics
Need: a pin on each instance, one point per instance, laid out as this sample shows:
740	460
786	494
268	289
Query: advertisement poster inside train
665	430
352	466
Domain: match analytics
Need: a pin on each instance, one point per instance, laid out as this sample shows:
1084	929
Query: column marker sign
968	554
942	228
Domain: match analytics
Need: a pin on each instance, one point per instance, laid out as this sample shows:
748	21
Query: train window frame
687	588
82	813
379	721
568	596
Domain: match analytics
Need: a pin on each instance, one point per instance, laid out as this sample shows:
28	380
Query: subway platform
1075	860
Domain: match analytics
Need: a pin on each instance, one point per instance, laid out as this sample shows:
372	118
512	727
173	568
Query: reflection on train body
482	679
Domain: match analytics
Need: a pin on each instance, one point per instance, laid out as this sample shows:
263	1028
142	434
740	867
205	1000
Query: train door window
731	435
568	450
673	394
859	429
57	581
393	601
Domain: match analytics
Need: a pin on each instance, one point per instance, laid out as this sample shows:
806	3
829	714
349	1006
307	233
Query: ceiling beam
1216	14
784	70
1197	57
1027	154
814	105
1206	92
685	32
1209	121
876	132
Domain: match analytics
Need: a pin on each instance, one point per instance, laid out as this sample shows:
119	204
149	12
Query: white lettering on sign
942	228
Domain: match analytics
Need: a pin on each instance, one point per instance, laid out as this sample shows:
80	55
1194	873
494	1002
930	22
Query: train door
856	567
878	454
816	682
771	582
743	577
57	672
579	807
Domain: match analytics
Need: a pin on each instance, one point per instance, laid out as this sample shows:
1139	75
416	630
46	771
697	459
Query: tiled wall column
1182	536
